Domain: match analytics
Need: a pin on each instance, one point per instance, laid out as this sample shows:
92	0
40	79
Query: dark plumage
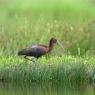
38	50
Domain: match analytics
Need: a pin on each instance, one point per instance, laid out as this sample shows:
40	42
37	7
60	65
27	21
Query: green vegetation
62	69
23	23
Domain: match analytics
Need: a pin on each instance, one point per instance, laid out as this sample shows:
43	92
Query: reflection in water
45	89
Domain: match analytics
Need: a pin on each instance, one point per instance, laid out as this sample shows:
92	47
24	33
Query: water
45	89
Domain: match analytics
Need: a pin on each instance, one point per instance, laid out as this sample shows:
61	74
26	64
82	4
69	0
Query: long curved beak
60	44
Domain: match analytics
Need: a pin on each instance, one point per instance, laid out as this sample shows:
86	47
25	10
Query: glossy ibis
38	50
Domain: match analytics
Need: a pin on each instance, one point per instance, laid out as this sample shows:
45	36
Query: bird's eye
54	41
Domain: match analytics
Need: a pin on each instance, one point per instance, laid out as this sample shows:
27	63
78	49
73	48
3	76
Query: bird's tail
21	52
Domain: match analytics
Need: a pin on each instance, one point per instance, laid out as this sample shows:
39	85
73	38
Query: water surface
45	89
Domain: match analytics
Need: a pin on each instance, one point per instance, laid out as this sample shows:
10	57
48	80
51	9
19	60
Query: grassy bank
56	69
23	23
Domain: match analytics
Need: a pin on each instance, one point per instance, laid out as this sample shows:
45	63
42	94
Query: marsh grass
24	23
56	69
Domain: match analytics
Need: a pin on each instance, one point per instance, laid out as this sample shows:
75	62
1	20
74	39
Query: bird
38	50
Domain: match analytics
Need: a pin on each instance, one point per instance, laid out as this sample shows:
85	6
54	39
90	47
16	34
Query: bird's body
35	51
38	50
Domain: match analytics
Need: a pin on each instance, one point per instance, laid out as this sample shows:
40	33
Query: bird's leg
29	59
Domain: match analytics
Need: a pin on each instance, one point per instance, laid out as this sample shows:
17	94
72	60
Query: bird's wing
38	49
27	51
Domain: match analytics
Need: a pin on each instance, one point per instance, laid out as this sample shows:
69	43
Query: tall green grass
23	23
56	69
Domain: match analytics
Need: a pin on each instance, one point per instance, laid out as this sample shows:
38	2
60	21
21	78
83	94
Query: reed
68	69
23	23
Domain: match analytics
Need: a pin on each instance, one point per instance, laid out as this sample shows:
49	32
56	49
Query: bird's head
52	42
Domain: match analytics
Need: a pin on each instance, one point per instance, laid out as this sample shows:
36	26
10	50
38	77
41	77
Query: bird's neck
50	47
